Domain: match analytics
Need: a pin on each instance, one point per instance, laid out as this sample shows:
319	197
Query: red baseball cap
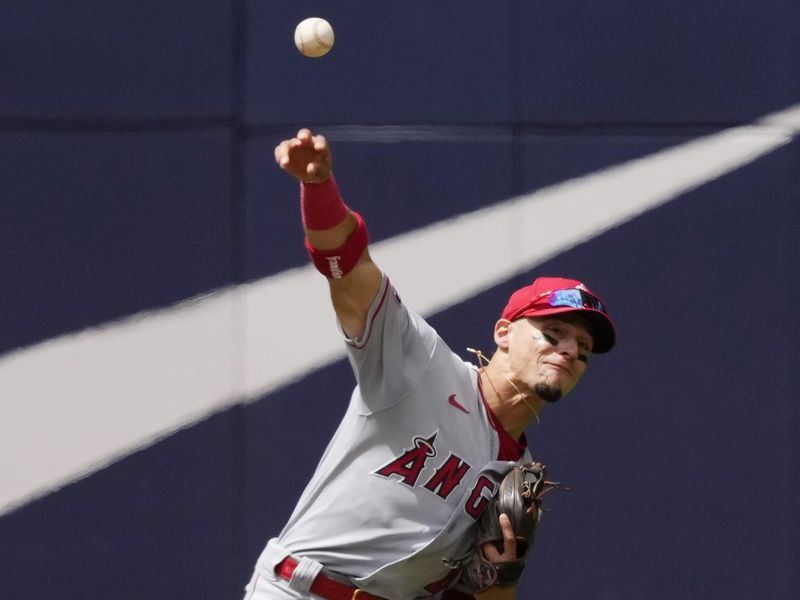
556	295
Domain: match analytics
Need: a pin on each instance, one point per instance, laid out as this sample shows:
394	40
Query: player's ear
501	330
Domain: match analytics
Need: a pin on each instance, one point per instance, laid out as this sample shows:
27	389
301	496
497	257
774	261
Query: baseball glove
519	497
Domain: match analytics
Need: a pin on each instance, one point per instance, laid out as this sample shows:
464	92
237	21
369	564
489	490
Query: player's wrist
321	204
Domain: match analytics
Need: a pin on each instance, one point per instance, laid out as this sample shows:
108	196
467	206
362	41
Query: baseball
313	37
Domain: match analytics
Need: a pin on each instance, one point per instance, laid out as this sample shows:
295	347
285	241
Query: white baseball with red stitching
313	37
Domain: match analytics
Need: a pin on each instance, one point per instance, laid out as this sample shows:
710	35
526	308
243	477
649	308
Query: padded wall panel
392	62
103	225
142	59
697	402
656	63
285	435
162	524
396	186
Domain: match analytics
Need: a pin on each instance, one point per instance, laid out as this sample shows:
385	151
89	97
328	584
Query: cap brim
604	333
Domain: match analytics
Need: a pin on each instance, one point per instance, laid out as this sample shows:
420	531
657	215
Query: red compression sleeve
321	205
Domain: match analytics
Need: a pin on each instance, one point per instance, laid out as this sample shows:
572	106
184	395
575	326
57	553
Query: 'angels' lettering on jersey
446	477
409	465
477	501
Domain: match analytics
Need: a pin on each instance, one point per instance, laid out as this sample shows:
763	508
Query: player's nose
568	347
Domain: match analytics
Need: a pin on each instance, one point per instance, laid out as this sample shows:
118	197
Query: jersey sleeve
390	357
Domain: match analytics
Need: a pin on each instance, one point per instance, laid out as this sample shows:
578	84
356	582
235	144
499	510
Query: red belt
324	586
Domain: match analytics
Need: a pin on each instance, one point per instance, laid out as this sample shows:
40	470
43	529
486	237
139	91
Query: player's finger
509	539
509	552
282	153
320	143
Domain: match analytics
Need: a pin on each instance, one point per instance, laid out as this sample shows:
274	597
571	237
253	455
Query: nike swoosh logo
452	400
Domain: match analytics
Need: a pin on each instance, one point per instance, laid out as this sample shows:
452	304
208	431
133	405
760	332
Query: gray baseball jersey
410	468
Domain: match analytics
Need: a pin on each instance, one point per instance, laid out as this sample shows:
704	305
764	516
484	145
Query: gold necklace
482	369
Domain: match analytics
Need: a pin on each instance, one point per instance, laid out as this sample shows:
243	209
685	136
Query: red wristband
321	205
338	262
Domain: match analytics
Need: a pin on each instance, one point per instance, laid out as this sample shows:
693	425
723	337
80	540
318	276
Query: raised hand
306	157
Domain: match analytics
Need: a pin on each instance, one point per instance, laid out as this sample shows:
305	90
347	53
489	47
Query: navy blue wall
135	166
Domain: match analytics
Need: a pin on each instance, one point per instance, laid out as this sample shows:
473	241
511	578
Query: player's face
549	355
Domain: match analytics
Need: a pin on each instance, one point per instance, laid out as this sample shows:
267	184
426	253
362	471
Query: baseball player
426	437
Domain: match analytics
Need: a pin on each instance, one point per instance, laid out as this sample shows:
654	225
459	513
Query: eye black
550	339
